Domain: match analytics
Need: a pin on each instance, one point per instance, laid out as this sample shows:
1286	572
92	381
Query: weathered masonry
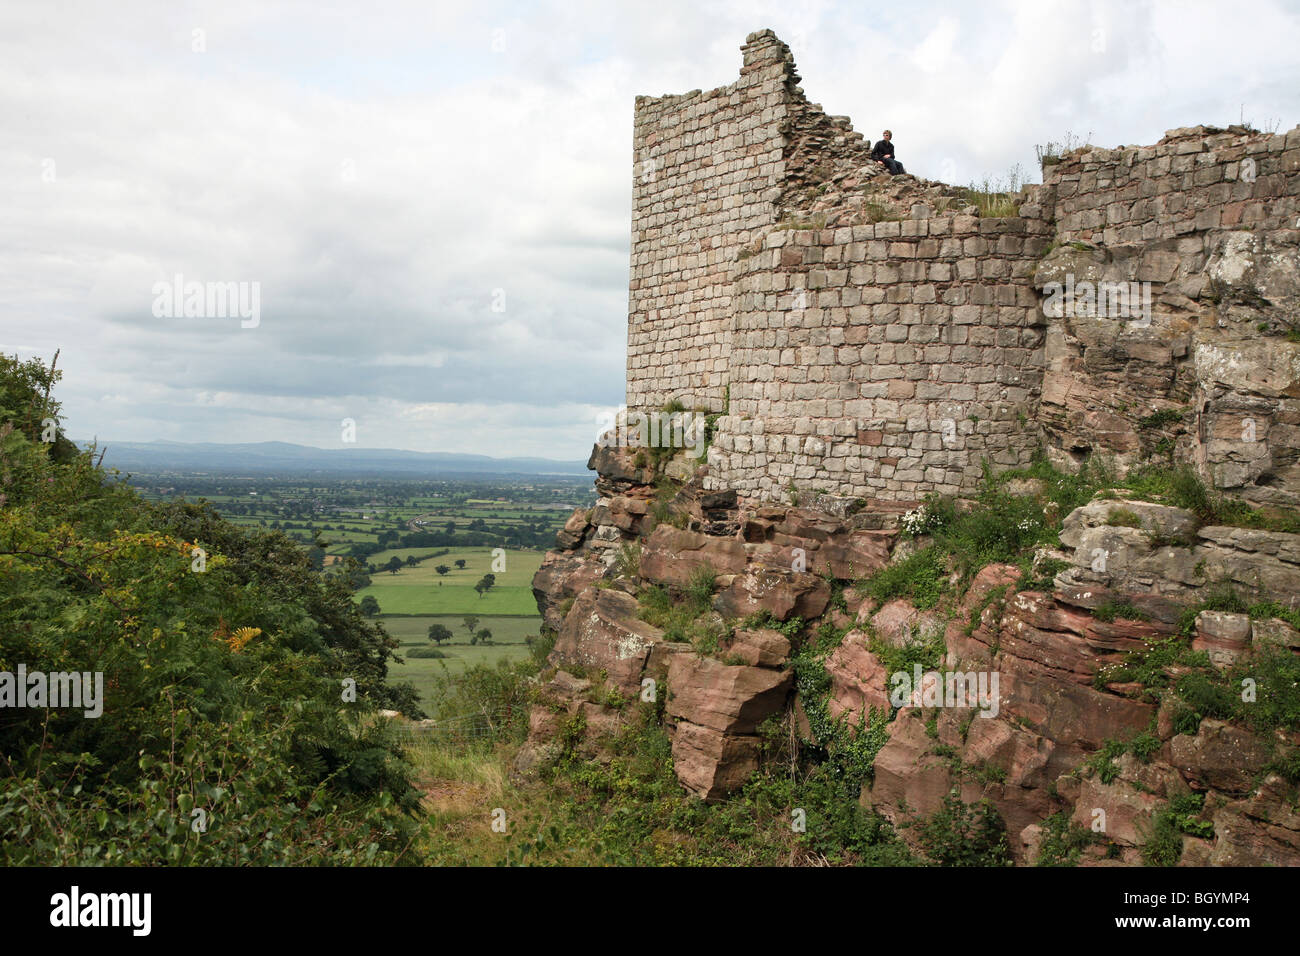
868	335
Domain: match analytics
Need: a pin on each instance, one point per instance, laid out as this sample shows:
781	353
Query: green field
509	610
420	590
458	518
508	635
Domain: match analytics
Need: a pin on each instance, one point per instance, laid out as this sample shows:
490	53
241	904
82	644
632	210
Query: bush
1144	746
1206	695
489	702
1103	761
1186	490
1160	419
961	834
923	577
425	652
1064	841
927	650
934	514
1276	672
1126	610
1123	518
1223	598
1164	842
223	686
699	590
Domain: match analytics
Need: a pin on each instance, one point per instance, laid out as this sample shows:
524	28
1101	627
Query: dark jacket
883	149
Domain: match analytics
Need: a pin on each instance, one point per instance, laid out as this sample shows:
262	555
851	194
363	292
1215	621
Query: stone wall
890	357
713	169
864	335
705	168
1209	219
1189	183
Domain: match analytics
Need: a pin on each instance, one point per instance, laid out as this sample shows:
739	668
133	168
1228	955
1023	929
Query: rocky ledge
1113	711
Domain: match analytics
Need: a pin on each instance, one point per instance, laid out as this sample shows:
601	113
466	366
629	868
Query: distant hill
289	459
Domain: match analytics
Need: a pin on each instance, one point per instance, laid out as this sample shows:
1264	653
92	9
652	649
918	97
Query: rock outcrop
859	342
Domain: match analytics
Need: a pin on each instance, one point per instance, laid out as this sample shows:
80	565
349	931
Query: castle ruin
863	335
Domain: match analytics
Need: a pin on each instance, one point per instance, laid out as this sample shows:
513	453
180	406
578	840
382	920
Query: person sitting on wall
883	153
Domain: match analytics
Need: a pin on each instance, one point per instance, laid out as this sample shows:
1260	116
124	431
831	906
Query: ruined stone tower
865	335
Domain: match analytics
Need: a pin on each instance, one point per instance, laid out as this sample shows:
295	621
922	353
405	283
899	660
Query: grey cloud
380	171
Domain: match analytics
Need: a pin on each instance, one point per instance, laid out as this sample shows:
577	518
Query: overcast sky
381	169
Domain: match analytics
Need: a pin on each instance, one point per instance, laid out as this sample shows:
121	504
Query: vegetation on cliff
239	686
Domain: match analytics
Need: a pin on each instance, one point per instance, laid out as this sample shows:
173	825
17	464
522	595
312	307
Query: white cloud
380	170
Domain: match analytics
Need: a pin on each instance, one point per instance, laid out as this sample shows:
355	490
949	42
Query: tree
460	563
484	636
485	584
410	561
442	569
962	834
303	635
471	622
369	605
394	564
439	633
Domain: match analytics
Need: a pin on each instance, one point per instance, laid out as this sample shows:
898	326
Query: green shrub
1042	578
922	577
1126	610
1270	609
1187	490
1123	518
1103	761
1150	666
1206	695
1064	841
1276	673
1160	419
1221	598
1164	842
960	834
226	688
1185	808
488	702
699	590
1144	746
1288	765
540	649
927	650
1186	721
